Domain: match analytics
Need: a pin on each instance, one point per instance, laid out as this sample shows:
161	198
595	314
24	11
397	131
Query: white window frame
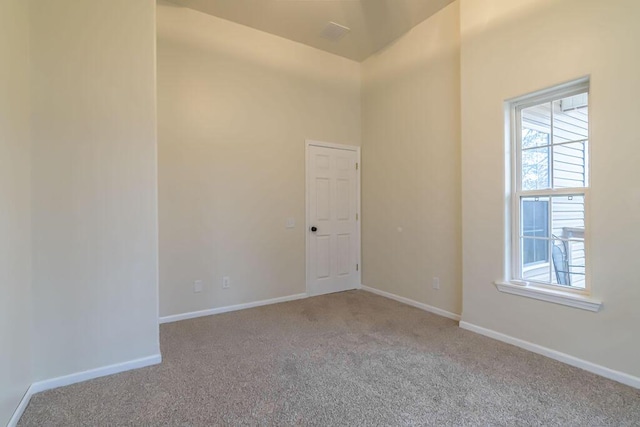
514	284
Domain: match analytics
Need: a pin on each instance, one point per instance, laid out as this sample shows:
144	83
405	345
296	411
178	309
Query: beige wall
510	48
94	183
15	210
235	106
411	164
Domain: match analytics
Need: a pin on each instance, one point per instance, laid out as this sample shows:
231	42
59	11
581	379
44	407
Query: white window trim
577	298
570	299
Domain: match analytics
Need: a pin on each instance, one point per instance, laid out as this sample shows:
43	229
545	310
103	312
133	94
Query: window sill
550	295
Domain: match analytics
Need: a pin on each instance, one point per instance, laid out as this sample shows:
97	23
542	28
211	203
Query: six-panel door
333	203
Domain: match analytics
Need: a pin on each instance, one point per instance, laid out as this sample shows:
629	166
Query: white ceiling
373	23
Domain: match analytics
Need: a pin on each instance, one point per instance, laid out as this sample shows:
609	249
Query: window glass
535	228
570	165
571	119
535	168
553	171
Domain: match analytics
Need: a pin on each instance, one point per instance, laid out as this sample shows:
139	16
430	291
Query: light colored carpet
352	358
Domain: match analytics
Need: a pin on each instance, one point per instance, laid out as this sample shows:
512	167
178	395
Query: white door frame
356	149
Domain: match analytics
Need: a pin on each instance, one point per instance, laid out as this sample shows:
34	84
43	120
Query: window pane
568	251
568	217
553	253
535	223
569	165
538	270
534	251
568	258
571	119
535	168
536	125
535	217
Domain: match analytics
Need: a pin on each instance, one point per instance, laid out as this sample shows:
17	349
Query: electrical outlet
436	283
226	282
197	286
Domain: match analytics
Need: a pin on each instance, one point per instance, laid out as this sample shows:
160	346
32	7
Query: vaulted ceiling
373	23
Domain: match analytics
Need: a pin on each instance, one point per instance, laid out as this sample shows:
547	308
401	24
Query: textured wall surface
95	262
235	106
511	48
411	164
15	207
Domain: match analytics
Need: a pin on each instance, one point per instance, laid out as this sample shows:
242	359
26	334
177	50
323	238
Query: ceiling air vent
334	32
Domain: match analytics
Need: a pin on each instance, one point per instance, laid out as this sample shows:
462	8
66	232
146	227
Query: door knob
314	229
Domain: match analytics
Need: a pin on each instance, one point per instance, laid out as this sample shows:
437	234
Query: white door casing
333	206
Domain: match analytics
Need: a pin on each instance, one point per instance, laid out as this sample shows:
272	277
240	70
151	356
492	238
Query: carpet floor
351	358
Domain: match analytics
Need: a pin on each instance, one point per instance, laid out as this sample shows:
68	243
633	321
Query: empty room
319	212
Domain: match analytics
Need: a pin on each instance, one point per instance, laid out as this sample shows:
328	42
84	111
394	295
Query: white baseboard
13	422
219	310
90	374
420	305
611	374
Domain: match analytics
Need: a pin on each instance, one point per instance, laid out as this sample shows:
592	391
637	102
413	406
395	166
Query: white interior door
333	238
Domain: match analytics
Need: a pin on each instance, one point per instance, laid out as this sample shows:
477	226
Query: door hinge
357	217
356	165
357	267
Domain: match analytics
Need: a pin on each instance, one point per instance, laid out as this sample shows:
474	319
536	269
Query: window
550	166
